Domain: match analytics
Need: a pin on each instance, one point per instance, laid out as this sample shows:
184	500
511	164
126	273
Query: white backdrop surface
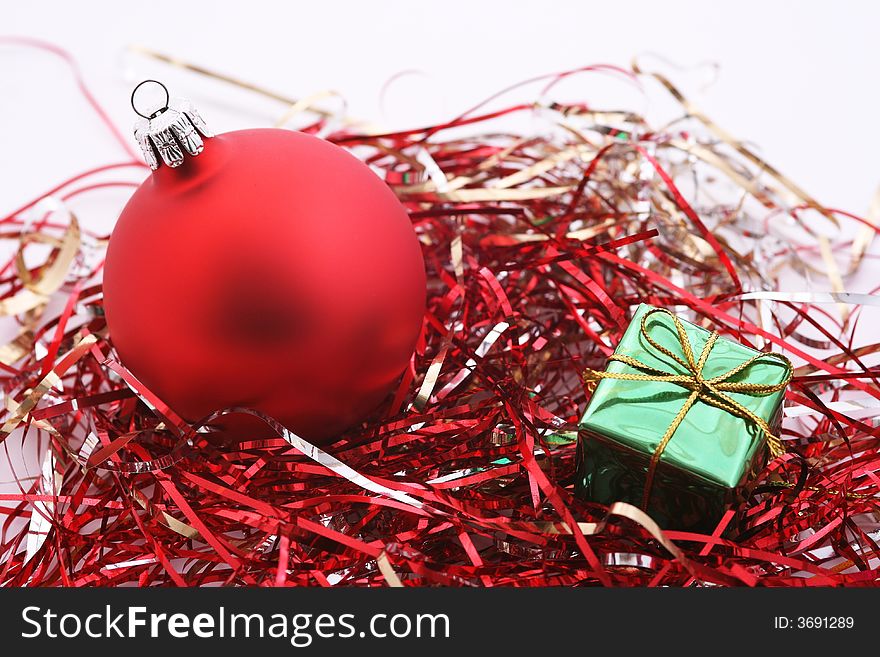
796	79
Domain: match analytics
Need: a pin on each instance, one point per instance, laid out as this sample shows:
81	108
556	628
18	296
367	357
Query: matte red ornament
274	271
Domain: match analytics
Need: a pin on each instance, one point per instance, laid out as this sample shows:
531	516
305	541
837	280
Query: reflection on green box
712	453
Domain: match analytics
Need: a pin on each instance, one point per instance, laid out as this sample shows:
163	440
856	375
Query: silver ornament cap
171	132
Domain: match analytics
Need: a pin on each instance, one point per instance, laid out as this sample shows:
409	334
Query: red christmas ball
273	271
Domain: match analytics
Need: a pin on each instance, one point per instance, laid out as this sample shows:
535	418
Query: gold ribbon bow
709	391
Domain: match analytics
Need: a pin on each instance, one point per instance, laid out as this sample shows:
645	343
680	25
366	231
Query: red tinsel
537	246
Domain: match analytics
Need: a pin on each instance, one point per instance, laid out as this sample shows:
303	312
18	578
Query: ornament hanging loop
158	111
170	133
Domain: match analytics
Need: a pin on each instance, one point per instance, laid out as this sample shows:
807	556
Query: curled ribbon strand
709	391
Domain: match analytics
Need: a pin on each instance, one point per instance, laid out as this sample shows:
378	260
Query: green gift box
679	420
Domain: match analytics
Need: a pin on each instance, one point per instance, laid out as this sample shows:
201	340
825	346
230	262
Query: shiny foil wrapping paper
710	455
539	242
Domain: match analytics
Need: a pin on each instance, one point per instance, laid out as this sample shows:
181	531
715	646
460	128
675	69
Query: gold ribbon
711	391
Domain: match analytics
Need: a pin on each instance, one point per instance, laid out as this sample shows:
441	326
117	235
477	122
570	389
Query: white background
796	79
